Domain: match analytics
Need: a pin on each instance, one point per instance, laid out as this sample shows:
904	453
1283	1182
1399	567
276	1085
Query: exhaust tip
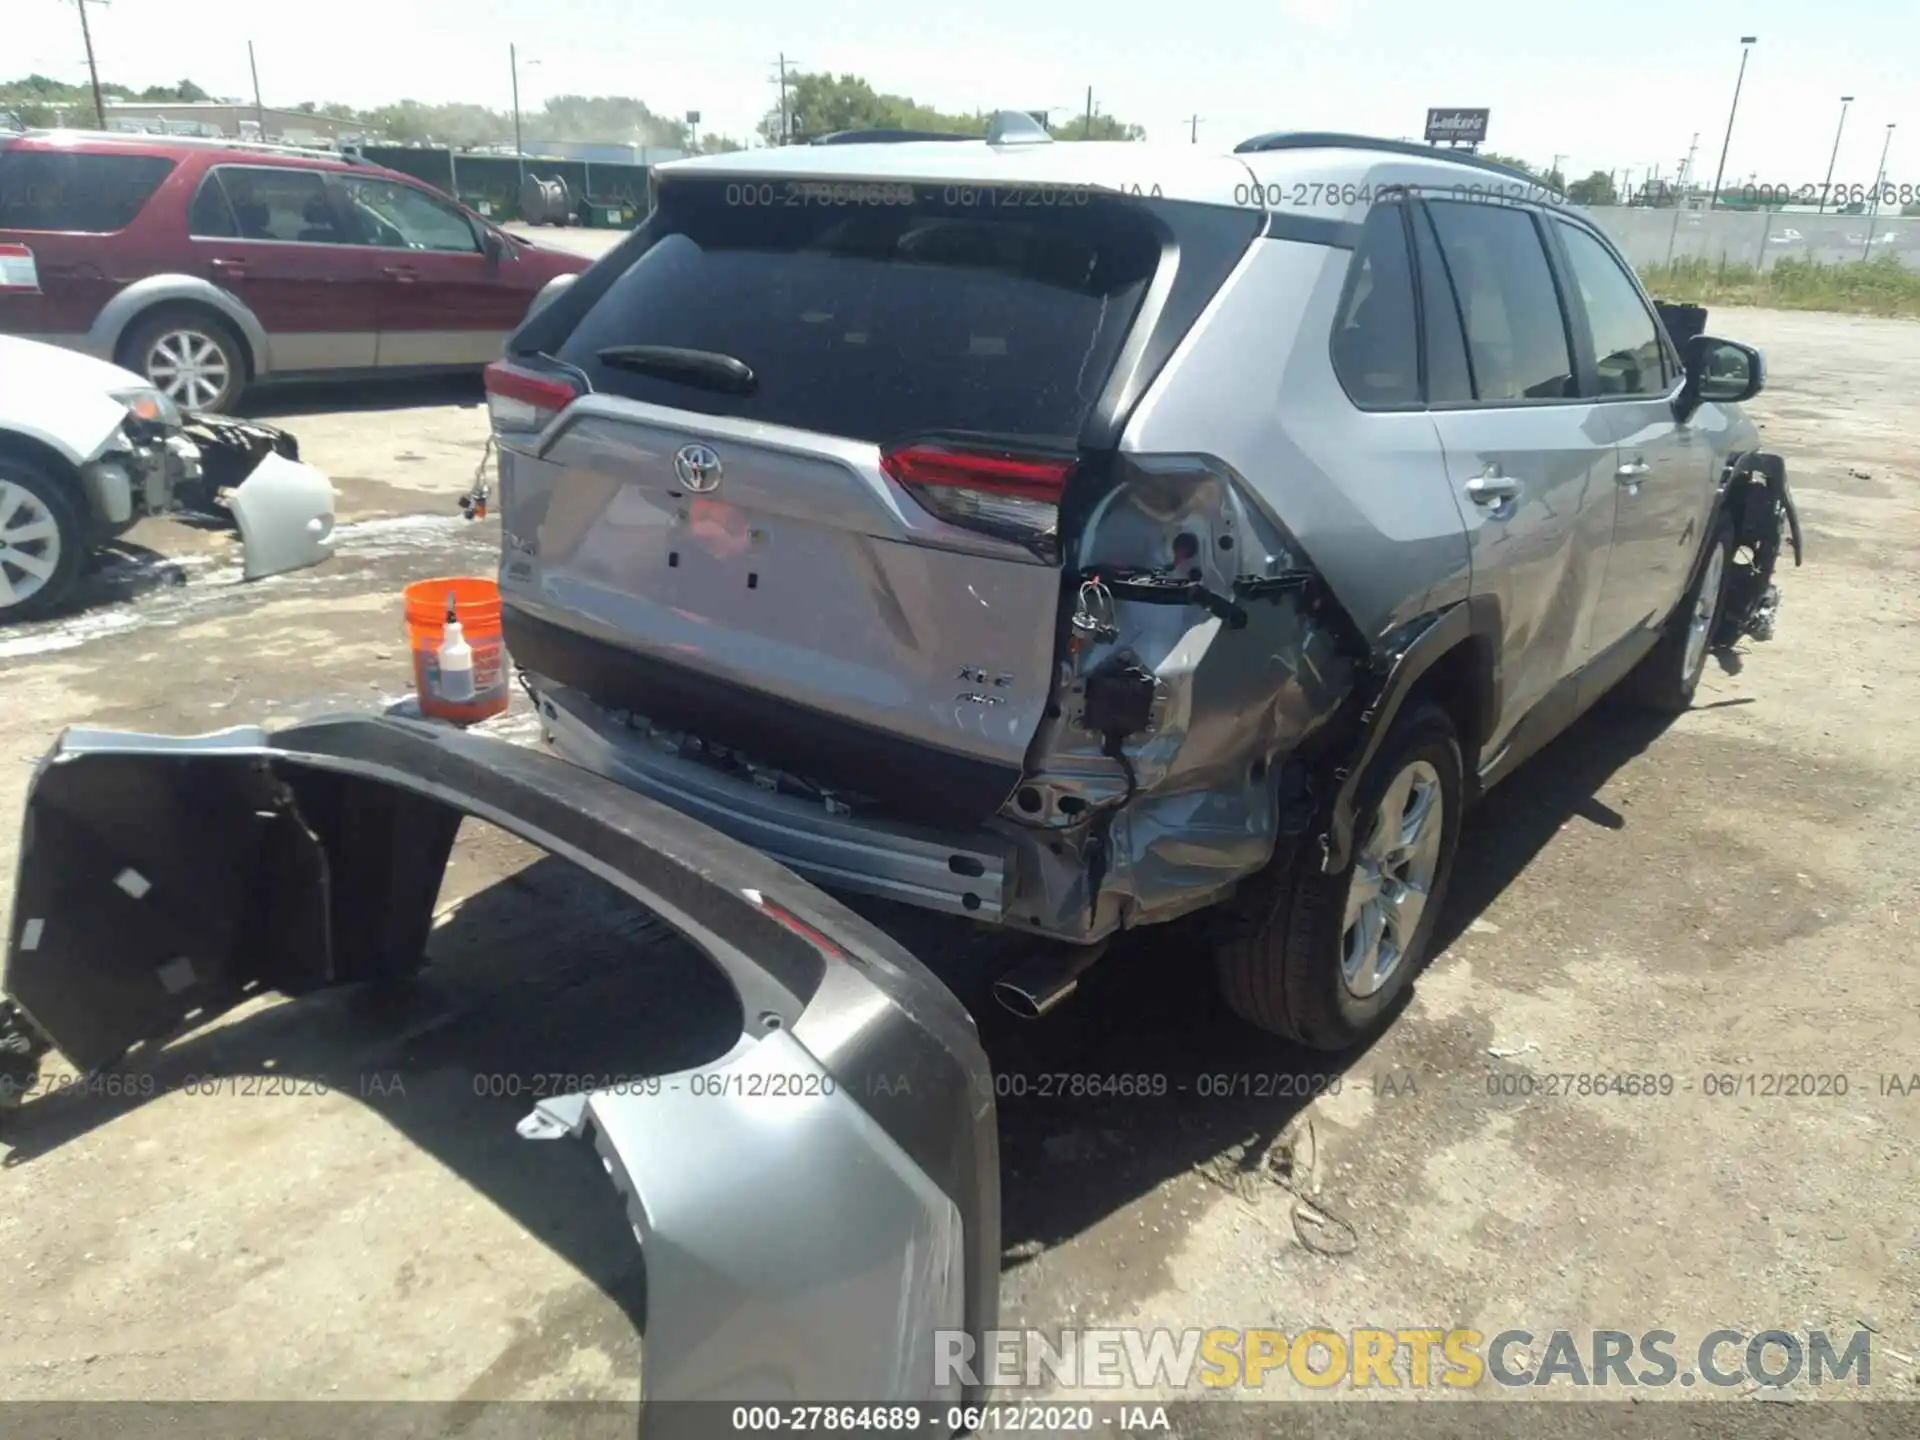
1031	1002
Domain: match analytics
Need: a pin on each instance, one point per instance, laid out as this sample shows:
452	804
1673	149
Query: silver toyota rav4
1075	536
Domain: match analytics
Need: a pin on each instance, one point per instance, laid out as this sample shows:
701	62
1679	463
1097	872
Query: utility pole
1089	134
519	154
93	70
1827	184
259	110
1713	200
1193	130
1879	179
786	120
1685	177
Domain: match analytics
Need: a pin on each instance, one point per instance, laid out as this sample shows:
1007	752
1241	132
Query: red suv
208	266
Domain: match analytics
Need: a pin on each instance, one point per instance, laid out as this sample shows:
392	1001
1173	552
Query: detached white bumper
285	513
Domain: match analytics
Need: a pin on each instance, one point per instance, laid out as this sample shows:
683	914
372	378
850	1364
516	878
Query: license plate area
722	554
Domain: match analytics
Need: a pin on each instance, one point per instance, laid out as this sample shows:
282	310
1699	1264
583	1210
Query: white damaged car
88	449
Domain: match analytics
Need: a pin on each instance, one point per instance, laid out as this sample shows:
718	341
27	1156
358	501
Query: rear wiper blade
691	367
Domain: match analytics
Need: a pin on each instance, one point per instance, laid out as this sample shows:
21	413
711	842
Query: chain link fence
1760	238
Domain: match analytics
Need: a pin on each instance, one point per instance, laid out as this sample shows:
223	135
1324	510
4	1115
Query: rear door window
1376	346
270	203
65	190
210	216
879	311
1516	333
1449	377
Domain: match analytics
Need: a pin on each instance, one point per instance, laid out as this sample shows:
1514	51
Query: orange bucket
477	604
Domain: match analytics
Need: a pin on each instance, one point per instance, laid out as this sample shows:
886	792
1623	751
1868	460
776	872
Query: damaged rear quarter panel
1297	479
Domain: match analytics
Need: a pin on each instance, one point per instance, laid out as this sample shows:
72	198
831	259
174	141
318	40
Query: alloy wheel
190	367
1392	878
29	544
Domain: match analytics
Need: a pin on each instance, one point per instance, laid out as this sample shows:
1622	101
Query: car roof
1177	172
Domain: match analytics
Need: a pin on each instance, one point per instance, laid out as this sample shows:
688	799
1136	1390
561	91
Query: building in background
233	119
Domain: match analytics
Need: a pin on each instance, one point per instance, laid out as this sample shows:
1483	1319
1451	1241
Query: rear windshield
879	312
64	190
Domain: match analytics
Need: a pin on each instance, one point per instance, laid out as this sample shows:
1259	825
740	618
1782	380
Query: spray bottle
456	660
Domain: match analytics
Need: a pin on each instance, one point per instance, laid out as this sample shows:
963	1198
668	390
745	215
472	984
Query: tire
1293	976
1667	678
43	541
190	354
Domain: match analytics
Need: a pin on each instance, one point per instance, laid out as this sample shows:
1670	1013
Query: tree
823	104
1104	127
1551	178
185	90
1596	189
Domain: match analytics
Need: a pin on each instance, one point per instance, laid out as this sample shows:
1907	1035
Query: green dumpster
607	214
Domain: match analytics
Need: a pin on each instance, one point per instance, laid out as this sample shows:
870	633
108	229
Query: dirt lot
1735	894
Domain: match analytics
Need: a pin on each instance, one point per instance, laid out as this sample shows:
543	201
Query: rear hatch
785	470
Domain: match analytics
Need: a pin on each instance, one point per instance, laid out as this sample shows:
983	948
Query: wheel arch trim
125	310
1406	659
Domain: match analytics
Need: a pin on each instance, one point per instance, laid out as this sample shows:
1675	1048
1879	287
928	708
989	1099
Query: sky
1616	86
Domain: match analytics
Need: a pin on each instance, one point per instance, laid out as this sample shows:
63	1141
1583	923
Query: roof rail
1334	140
211	142
885	137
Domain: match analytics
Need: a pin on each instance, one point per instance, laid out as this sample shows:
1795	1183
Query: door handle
1492	488
232	269
405	274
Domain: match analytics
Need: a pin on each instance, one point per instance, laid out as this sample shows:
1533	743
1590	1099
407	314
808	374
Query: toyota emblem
698	468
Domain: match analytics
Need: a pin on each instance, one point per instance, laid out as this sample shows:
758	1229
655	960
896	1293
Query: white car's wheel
42	541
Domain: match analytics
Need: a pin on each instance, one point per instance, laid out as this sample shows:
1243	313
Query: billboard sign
1456	127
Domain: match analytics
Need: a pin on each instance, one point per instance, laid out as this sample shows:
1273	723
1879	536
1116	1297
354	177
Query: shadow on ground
540	974
326	397
120	572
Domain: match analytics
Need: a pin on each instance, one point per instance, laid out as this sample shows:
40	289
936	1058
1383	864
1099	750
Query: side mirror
493	243
1723	371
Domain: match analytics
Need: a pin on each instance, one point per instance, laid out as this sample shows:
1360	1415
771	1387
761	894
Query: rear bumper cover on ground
807	1224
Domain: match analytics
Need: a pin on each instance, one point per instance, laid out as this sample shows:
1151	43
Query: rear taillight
18	271
523	400
1013	496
